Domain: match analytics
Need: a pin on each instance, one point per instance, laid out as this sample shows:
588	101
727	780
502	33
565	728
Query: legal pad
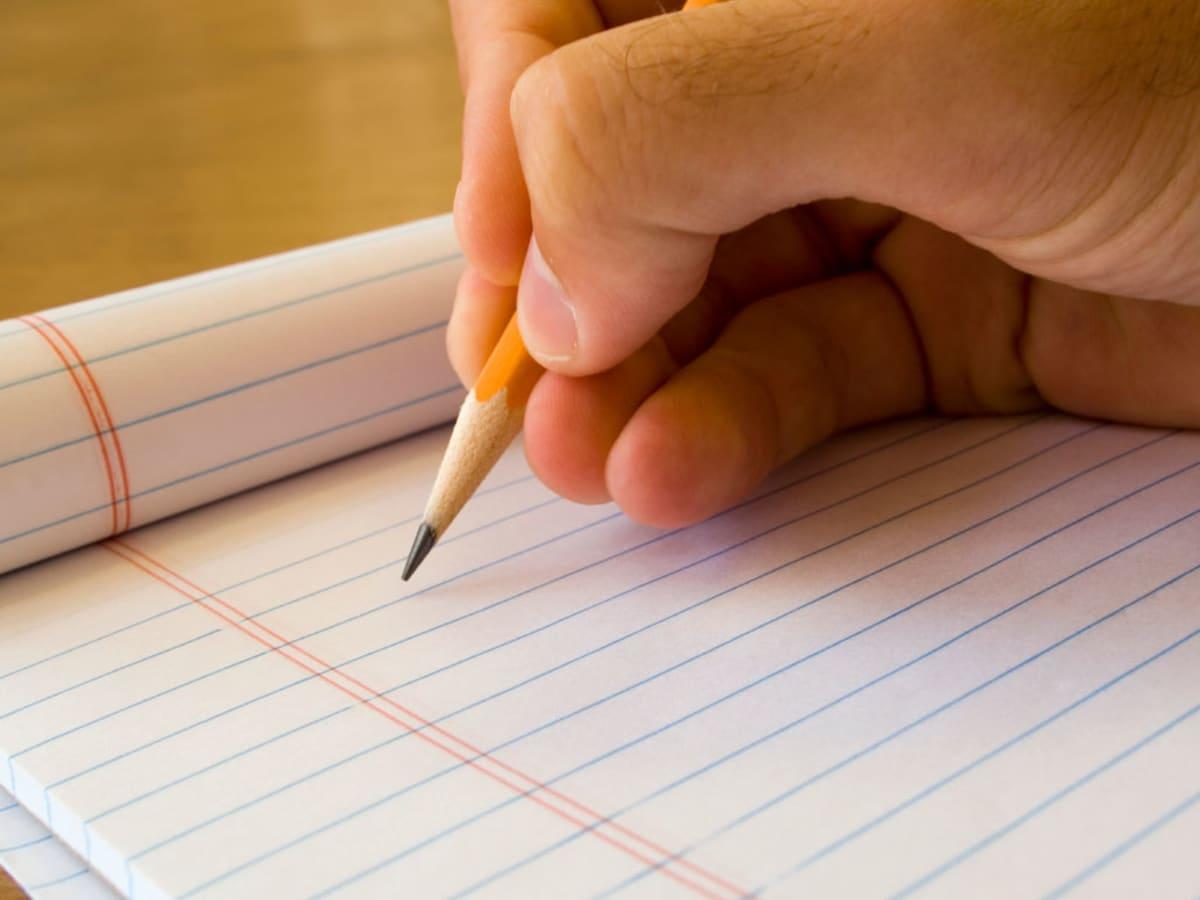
935	658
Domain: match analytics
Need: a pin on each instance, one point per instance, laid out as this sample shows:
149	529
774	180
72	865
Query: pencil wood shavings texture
480	436
489	420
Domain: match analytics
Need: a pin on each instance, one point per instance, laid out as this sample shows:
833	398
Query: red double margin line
97	410
645	851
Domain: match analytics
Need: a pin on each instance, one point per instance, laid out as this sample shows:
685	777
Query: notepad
41	862
935	658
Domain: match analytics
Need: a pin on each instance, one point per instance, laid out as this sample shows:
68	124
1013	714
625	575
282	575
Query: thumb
642	144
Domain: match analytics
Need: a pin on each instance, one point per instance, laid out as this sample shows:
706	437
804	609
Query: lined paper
132	407
38	861
935	658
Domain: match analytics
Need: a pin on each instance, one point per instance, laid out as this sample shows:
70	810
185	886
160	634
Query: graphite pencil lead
423	542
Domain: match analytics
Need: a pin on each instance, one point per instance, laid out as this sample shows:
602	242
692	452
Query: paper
40	862
909	641
218	382
945	658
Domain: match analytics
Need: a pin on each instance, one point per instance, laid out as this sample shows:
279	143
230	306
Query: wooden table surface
144	140
8	890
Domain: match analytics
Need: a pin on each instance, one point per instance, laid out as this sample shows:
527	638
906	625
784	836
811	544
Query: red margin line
660	865
87	405
112	428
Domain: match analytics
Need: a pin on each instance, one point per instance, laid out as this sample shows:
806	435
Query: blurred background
143	139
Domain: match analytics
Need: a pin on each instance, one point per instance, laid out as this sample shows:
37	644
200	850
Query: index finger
497	40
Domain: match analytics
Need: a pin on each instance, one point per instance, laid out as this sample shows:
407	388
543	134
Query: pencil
489	420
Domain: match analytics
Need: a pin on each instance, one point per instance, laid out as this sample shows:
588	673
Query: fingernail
546	315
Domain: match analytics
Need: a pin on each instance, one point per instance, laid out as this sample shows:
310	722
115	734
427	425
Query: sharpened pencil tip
423	542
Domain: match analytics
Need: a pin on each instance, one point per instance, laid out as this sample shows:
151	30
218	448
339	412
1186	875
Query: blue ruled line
842	698
1125	846
899	732
663	672
936	426
25	846
55	882
496	562
218	395
1054	798
257	655
375	532
324	432
663	537
260	697
877	449
958	773
241	317
124	804
649	870
179	286
113	671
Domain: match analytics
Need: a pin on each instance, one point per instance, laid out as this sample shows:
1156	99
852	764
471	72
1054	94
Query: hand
770	220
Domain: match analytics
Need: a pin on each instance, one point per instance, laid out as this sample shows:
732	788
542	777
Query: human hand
772	220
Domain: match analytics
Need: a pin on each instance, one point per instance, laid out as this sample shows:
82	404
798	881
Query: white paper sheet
38	861
120	411
957	656
946	658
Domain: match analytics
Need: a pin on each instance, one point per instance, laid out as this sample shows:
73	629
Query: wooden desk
140	141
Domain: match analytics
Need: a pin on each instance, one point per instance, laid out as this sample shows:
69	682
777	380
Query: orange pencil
489	419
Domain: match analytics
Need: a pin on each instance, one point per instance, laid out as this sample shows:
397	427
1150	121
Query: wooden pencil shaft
480	437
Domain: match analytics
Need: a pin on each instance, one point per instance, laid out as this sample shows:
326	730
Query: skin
735	232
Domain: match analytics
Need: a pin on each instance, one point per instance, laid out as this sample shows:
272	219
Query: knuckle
563	116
